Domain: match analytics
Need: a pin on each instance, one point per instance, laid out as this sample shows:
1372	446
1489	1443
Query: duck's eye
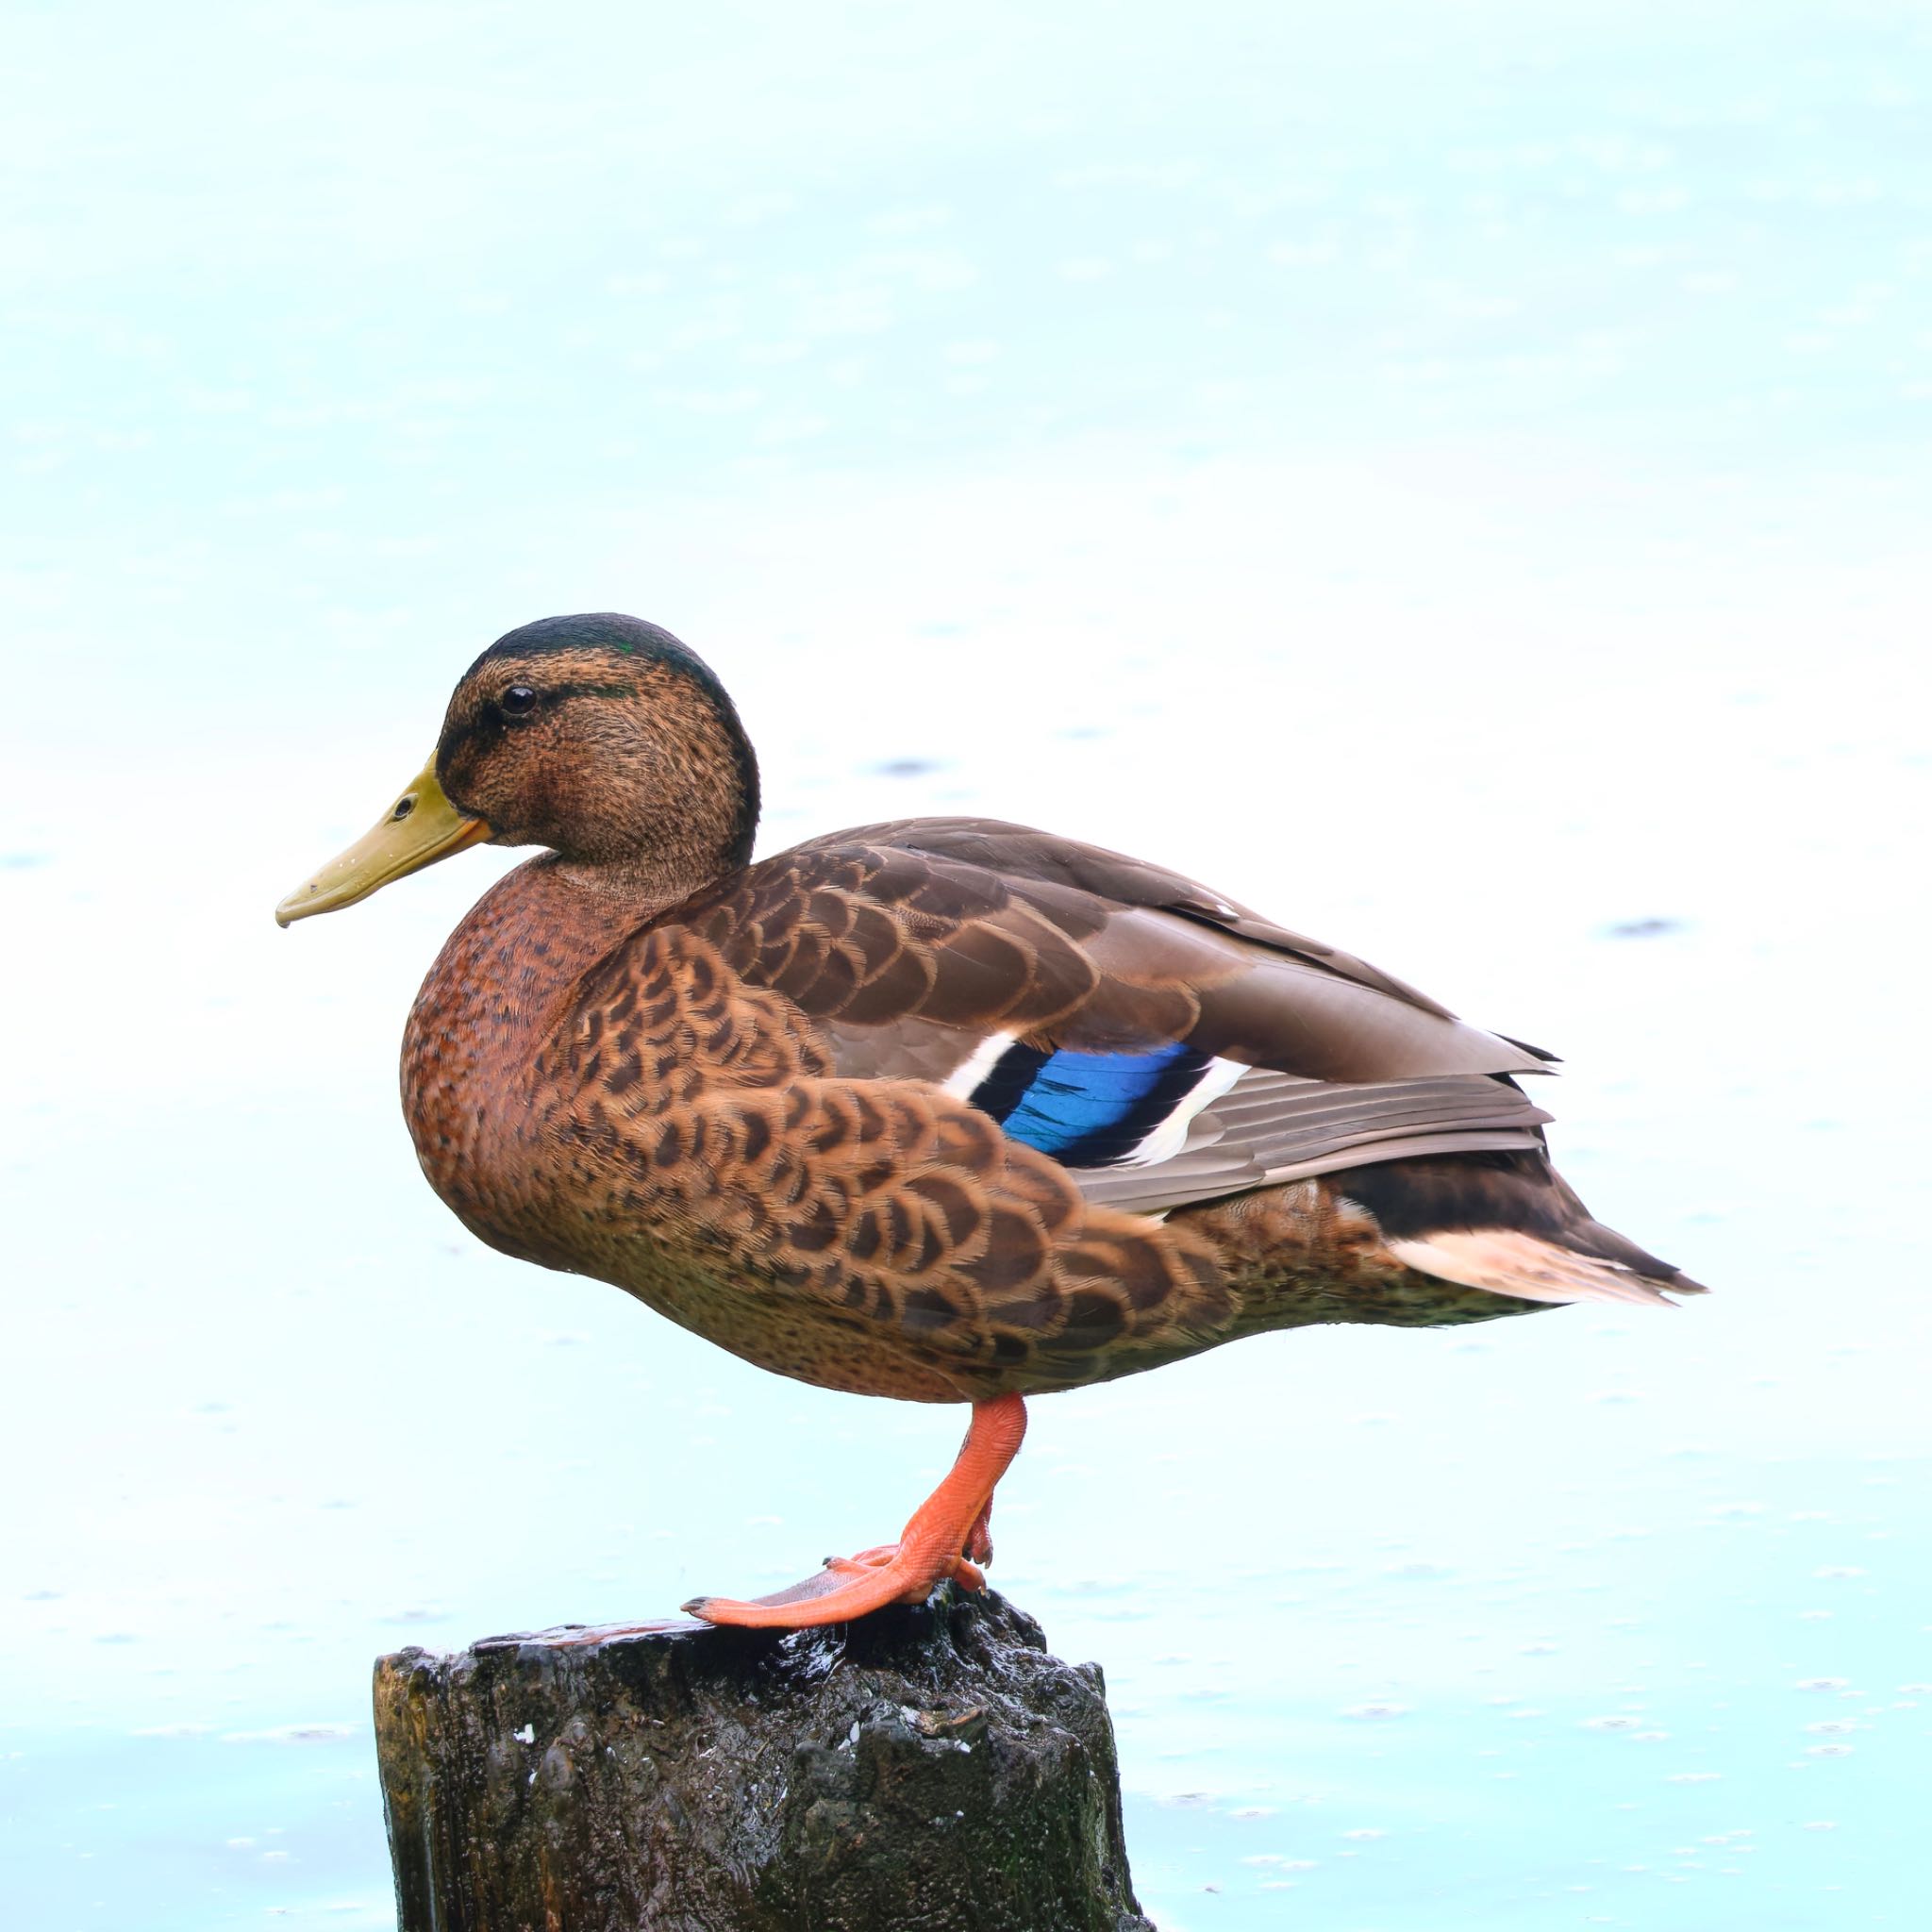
518	699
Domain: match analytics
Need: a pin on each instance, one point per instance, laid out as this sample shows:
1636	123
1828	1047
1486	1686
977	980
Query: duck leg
979	1550
934	1545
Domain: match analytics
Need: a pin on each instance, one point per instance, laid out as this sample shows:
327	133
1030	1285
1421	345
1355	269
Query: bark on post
933	1767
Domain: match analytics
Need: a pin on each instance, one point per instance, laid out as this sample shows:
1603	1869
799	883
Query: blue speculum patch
1087	1109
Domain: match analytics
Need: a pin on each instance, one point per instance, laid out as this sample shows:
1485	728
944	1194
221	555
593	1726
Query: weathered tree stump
933	1769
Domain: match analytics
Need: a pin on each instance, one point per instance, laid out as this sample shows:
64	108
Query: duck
936	1110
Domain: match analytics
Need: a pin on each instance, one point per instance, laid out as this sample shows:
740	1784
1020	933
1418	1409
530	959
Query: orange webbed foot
980	1542
966	1574
946	1539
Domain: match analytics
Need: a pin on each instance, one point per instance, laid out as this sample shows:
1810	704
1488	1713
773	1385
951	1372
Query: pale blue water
1454	475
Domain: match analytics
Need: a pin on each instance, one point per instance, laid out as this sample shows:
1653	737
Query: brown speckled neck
488	1005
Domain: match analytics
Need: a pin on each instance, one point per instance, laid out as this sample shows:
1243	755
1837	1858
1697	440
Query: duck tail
1508	1222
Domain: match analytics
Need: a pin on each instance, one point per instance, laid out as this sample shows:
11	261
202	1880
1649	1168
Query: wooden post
934	1767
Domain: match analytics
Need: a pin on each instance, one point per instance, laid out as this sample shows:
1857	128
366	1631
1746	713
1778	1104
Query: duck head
601	737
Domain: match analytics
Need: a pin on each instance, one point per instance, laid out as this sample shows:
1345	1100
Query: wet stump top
933	1767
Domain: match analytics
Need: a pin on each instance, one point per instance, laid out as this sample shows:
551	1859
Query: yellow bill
420	827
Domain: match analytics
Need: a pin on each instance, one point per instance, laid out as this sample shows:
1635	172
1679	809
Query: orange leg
967	1571
949	1523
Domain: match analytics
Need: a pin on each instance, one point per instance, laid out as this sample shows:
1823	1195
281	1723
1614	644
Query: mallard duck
944	1109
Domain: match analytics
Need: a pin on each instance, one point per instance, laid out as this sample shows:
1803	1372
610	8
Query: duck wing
1160	1042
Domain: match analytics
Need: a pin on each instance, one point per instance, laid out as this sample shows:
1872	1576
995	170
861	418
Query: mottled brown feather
731	1110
